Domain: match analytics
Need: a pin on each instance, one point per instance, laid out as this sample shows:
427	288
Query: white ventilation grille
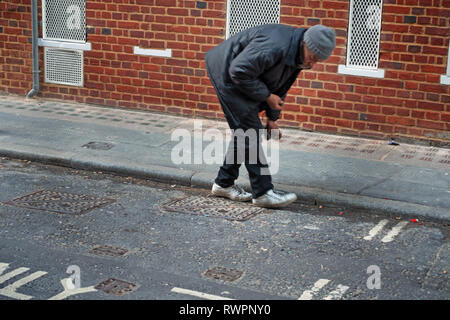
244	14
364	31
64	66
64	20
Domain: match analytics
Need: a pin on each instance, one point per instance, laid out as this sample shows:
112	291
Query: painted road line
11	274
10	291
310	227
394	232
198	294
71	292
3	267
338	293
308	294
376	230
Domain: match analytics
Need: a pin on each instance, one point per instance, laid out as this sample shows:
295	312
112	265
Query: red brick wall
409	103
15	47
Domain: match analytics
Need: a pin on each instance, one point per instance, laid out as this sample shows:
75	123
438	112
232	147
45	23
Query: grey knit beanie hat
320	40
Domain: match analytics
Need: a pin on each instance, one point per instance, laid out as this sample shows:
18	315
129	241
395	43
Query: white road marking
199	294
70	292
10	291
309	227
376	229
11	274
394	232
338	293
3	267
308	294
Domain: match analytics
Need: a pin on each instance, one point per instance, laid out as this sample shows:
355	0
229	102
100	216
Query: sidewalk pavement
407	179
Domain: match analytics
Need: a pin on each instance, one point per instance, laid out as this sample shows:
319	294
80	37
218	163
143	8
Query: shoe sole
226	197
276	206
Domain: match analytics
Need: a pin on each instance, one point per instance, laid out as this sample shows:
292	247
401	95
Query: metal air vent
364	31
64	66
64	20
244	14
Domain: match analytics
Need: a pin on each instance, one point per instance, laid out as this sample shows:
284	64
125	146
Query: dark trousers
245	146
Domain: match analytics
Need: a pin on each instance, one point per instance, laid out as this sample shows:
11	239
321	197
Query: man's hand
275	102
272	125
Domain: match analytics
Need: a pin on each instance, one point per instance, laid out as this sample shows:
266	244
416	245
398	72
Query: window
64	39
244	14
445	79
363	43
64	20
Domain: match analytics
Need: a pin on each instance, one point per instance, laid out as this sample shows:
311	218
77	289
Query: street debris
393	143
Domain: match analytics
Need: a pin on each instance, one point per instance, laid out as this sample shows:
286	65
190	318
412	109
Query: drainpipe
34	37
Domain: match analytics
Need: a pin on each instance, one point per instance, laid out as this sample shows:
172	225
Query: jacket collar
293	58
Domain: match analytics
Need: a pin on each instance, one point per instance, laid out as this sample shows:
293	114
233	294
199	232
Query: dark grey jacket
248	67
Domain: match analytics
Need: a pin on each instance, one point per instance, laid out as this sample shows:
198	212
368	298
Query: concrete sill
64	45
153	52
378	73
445	80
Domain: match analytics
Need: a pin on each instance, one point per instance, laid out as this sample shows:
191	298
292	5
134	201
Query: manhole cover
98	145
116	287
222	273
108	251
213	207
60	202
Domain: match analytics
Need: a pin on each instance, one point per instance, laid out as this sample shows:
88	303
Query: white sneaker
234	193
274	199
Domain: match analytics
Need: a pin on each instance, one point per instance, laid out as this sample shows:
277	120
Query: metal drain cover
116	287
98	145
222	273
60	202
108	251
214	207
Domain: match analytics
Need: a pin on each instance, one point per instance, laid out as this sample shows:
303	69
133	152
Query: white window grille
64	20
445	79
244	14
64	38
363	43
64	66
448	61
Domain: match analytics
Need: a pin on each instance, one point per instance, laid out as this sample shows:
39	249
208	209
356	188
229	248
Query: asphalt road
310	251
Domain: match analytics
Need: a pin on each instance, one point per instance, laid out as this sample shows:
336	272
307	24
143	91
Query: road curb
205	180
316	195
152	172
